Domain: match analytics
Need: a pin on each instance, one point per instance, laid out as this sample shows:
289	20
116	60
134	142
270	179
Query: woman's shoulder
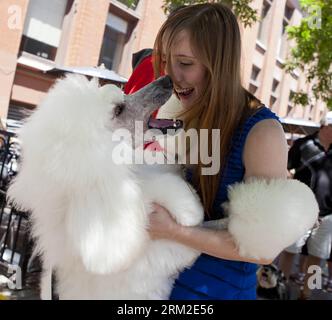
254	117
263	122
265	149
263	134
267	129
264	125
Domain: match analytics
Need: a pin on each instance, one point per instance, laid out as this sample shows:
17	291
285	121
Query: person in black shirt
311	158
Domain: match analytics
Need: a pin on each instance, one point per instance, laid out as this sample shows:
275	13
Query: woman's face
188	73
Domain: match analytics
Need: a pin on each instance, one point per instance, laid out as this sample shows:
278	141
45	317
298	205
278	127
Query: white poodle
90	215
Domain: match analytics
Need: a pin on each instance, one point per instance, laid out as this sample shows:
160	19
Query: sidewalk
31	290
320	294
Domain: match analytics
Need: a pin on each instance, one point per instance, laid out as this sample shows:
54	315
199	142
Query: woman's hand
162	225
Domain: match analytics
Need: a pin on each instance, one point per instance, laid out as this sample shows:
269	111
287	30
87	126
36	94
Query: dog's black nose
166	82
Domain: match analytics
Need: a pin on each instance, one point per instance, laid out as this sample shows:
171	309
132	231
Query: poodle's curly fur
90	215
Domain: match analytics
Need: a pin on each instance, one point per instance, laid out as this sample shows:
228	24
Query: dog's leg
177	196
46	284
108	236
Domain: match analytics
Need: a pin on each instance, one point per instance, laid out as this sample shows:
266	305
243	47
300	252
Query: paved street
31	292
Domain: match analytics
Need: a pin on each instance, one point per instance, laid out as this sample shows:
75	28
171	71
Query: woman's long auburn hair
224	104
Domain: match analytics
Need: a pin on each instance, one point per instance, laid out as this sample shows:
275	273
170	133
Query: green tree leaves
241	8
312	53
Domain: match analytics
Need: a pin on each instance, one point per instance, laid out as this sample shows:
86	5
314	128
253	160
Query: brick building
38	36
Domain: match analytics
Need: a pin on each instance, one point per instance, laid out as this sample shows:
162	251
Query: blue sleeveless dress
212	278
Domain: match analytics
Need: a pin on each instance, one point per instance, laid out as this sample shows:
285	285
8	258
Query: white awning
33	61
302	126
98	72
300	122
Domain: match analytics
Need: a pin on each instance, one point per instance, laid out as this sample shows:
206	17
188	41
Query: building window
255	73
17	112
264	24
290	107
130	4
291	96
273	99
42	28
289	110
113	42
111	49
288	12
254	84
283	43
38	48
275	85
252	88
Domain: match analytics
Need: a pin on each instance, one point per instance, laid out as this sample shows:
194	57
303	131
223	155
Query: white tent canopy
300	126
99	72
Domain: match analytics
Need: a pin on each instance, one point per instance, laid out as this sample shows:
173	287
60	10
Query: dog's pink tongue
153	146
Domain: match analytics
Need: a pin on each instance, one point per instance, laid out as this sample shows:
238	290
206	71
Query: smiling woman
187	71
199	47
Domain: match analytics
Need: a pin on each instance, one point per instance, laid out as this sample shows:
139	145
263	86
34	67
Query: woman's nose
177	75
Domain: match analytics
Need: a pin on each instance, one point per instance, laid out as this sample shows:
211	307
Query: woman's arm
265	151
265	155
217	243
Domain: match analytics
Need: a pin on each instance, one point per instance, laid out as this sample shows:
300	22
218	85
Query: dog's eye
119	109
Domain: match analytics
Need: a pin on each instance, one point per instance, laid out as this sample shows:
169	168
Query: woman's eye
119	109
185	64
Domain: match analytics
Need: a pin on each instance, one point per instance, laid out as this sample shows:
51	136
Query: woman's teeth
184	92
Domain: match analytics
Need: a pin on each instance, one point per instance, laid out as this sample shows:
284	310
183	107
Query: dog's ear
112	94
107	234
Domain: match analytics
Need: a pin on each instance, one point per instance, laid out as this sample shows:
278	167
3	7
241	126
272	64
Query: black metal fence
15	243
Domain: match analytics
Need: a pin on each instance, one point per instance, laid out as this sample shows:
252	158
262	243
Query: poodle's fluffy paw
190	213
177	196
